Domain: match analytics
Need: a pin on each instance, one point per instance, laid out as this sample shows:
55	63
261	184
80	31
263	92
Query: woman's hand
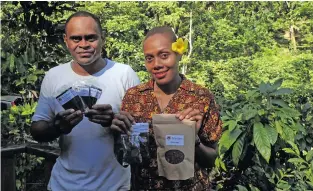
193	115
122	122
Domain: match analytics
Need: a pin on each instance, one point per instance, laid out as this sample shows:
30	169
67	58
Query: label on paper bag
174	140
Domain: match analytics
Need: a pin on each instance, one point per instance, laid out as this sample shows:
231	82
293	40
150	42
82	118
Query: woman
169	92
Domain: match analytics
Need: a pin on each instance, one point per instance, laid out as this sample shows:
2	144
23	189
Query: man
87	159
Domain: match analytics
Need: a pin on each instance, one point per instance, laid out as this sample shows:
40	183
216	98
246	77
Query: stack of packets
133	149
79	97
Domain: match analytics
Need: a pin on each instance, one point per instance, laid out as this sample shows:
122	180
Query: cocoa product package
175	142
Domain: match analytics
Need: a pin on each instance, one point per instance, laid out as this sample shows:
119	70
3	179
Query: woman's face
160	61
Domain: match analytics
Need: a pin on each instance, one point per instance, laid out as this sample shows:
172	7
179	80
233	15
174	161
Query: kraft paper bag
175	142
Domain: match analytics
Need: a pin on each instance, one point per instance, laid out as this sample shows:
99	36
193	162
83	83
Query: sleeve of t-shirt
131	79
44	110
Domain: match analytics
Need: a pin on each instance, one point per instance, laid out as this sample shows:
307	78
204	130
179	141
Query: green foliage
15	126
16	122
259	126
236	47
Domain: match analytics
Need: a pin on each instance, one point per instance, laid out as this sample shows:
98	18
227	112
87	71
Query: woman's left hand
191	114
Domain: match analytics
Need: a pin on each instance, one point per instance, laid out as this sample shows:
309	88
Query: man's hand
67	120
193	115
101	114
123	122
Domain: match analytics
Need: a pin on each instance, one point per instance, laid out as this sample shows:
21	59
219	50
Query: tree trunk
185	66
293	37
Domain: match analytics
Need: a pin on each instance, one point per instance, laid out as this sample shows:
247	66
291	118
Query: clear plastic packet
133	149
81	95
94	95
87	91
69	99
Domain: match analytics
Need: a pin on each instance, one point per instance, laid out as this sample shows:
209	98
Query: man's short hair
160	30
84	14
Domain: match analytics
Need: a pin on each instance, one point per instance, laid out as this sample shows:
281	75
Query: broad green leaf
296	160
225	118
289	151
272	134
229	114
250	113
262	141
32	53
241	188
21	67
223	166
253	188
228	123
232	125
220	164
287	133
309	156
251	93
277	84
227	139
279	128
264	88
237	149
295	147
279	102
14	131
31	79
12	59
239	117
284	185
261	112
290	112
299	127
18	184
282	91
25	57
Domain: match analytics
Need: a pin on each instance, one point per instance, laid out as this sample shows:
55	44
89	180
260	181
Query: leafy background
256	57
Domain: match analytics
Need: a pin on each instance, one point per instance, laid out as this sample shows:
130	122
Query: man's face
83	40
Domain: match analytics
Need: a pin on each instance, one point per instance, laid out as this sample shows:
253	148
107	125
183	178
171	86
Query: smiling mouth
160	74
85	54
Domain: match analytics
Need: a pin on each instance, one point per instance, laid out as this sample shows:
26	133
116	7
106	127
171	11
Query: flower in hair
180	46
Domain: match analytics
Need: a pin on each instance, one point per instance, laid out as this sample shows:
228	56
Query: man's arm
43	131
63	123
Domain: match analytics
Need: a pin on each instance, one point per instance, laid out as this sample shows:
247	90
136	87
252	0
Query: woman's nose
157	63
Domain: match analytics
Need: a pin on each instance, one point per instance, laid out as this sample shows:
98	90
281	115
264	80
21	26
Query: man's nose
83	43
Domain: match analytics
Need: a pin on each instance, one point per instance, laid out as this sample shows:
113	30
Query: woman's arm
209	130
205	156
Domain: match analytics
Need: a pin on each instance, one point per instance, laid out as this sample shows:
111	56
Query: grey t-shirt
87	160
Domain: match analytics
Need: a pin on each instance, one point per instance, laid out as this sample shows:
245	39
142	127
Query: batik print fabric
141	102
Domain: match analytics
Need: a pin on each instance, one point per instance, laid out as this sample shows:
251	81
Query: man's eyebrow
85	36
91	36
75	36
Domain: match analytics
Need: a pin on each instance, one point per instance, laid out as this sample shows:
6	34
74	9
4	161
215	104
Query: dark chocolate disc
174	156
134	153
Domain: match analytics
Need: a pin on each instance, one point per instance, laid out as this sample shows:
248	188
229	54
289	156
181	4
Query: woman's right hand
123	122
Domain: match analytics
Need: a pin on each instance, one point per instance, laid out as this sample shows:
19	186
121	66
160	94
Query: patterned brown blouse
141	102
